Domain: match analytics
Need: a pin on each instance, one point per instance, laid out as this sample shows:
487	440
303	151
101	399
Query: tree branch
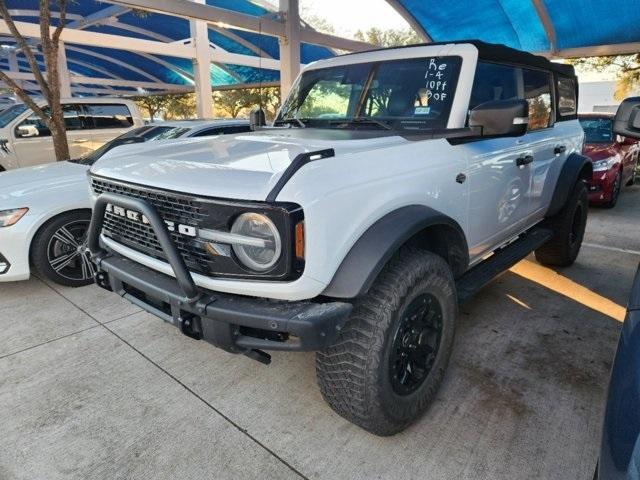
61	23
24	47
19	91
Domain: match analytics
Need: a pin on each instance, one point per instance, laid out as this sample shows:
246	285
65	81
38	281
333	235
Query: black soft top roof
501	53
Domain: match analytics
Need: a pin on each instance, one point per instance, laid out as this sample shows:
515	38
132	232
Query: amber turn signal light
299	240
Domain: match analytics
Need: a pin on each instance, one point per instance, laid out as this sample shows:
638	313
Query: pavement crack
48	341
199	397
175	379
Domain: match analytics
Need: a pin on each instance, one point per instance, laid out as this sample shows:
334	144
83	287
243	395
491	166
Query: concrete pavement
91	387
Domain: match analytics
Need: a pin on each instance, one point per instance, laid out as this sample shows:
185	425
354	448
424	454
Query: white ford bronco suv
392	186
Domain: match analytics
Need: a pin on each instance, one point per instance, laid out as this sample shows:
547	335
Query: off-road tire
40	245
568	226
355	375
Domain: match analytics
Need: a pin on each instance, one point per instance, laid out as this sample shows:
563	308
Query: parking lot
90	387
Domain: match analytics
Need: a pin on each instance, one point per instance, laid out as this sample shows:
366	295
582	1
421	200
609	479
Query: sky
354	14
349	16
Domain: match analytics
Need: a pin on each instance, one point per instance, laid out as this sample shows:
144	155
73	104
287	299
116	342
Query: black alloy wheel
415	344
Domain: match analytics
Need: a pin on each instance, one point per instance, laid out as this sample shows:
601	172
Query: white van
91	122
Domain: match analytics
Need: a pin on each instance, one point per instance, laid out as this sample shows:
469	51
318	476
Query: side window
567	104
72	120
105	115
494	82
537	91
210	132
237	129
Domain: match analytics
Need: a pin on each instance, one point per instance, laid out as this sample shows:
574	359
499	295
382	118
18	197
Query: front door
499	173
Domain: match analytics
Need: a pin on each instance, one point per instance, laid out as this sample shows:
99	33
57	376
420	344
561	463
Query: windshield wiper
292	121
364	121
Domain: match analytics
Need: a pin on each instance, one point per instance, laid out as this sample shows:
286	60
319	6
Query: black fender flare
380	241
576	167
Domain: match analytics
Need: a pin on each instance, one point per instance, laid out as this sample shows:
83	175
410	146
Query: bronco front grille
140	237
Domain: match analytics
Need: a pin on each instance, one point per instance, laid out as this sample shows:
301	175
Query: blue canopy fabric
124	65
520	24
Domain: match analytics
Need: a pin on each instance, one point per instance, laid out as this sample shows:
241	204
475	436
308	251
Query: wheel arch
577	167
415	225
47	221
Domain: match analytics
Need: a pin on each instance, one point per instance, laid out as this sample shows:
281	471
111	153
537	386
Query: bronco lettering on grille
188	230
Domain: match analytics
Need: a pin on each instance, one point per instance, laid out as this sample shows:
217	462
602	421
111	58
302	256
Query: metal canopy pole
289	45
202	67
63	72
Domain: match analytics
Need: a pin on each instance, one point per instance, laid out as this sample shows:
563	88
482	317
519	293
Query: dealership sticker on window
422	111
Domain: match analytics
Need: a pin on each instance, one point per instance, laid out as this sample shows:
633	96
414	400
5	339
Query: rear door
104	122
546	140
38	149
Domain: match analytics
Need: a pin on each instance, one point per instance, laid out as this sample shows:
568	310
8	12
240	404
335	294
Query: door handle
81	140
559	149
522	161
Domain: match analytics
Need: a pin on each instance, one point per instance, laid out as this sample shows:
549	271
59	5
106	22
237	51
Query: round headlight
265	254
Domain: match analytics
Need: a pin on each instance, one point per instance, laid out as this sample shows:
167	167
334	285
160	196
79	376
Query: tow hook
190	325
259	355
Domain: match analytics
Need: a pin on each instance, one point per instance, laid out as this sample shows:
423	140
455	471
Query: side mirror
26	131
627	119
501	117
257	119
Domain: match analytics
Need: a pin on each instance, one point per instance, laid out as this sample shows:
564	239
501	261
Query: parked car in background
45	210
620	449
26	141
614	158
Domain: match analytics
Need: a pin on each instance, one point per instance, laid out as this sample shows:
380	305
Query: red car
614	158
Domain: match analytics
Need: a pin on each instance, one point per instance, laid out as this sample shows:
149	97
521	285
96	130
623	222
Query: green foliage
239	102
170	107
627	67
388	38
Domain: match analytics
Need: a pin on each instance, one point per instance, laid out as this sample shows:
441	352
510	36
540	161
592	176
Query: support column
13	67
201	67
63	72
289	45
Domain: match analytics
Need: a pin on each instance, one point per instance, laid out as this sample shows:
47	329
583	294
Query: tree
49	82
627	68
153	104
232	102
388	38
238	102
180	106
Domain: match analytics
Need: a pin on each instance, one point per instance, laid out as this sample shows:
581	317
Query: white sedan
45	210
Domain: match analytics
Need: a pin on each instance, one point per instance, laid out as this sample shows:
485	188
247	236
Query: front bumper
235	323
600	187
14	250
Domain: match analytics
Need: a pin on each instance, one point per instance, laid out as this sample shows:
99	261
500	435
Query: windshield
11	113
414	93
597	130
138	135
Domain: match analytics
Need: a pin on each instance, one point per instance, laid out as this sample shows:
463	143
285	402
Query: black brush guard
234	323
